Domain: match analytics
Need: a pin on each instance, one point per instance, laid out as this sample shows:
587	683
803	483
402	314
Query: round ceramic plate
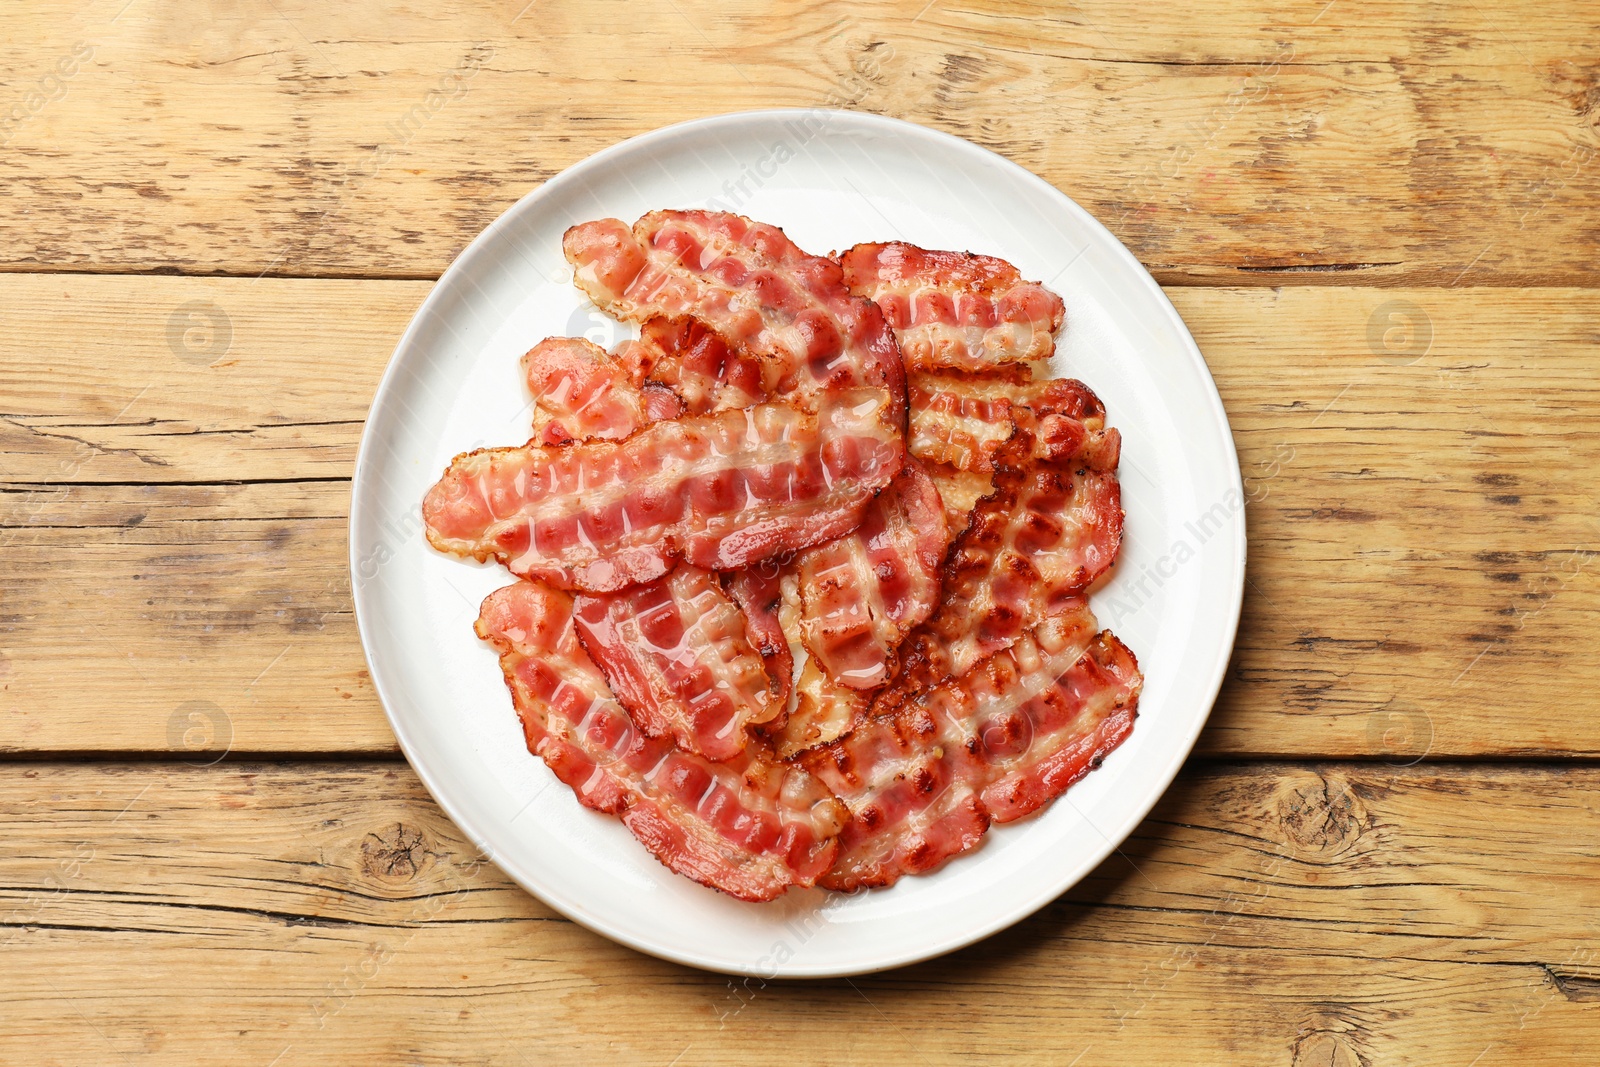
830	179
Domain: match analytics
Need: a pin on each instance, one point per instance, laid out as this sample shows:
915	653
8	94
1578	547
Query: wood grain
150	380
1266	142
228	602
1422	525
1263	914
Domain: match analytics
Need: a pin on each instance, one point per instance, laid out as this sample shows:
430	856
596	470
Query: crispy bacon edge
964	420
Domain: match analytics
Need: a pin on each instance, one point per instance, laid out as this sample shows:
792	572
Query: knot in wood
1320	815
1324	1048
395	855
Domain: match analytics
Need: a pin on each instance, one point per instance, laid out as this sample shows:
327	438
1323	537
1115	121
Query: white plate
830	179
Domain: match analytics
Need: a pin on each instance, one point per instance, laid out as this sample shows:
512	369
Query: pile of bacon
843	464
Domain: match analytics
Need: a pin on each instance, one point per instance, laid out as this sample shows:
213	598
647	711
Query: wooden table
1380	221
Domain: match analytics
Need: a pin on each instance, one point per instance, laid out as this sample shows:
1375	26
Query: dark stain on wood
1334	514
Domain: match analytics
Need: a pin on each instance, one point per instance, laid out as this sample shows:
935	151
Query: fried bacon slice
861	593
751	827
758	591
823	711
1003	740
676	655
580	393
720	491
908	782
960	492
707	374
1032	546
818	709
963	420
955	310
1059	733
755	289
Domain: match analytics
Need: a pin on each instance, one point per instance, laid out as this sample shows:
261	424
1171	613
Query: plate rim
993	924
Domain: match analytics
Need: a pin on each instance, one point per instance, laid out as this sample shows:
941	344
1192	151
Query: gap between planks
1202	276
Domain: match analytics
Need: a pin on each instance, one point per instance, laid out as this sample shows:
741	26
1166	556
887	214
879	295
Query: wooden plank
1262	142
1422	528
1263	914
1424	522
208	618
113	379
